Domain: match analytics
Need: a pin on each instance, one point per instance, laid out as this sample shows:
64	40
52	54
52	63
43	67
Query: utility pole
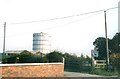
4	55
107	50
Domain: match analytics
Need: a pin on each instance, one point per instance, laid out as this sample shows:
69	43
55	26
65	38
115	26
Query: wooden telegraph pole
107	50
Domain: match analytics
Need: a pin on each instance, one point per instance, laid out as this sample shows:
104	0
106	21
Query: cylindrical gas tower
41	42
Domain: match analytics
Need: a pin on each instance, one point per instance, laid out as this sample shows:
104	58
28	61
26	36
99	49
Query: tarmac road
76	74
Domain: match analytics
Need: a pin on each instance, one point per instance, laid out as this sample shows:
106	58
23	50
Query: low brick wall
61	78
32	70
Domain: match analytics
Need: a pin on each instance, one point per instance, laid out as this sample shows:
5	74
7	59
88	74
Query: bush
54	56
26	57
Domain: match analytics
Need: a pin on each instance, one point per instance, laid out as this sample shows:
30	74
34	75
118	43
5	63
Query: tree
26	57
13	58
116	43
77	64
38	59
88	59
114	50
69	57
54	56
100	44
115	57
115	60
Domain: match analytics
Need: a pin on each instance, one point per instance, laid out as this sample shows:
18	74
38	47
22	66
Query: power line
61	18
66	16
57	26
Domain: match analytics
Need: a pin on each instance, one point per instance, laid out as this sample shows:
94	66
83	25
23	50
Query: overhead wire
62	18
57	26
66	16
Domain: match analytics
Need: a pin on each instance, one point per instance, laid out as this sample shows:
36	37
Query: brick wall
33	70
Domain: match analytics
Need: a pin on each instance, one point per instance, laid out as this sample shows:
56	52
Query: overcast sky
73	35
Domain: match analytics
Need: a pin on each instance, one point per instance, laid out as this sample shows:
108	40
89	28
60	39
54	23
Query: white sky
73	35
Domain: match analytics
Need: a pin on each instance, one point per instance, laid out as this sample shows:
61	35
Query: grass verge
103	72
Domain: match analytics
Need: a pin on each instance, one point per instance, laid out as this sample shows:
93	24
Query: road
76	74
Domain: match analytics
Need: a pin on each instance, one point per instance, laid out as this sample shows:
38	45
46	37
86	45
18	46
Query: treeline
113	46
114	50
72	62
77	64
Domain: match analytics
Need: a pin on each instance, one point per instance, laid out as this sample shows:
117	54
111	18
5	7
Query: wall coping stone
29	64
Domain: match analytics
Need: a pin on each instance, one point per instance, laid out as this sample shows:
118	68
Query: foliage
100	44
114	50
115	60
113	44
39	59
12	59
77	64
26	57
103	72
116	43
54	56
72	62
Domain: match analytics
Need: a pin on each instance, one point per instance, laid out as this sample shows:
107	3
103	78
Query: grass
103	72
99	71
